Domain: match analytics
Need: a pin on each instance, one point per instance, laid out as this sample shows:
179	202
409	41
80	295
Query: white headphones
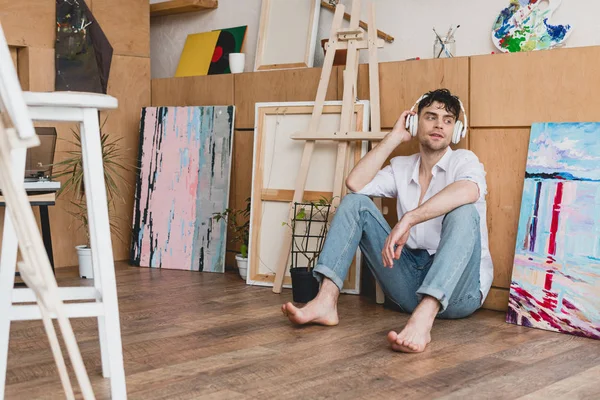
460	130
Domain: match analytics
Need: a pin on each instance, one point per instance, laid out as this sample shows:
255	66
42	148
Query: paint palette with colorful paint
556	272
523	26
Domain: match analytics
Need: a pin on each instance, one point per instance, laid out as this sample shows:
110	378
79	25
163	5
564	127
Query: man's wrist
397	137
411	218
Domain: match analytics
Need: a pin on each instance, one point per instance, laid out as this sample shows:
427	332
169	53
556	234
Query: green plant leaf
114	169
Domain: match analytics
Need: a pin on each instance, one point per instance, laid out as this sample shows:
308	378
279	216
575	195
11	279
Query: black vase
304	285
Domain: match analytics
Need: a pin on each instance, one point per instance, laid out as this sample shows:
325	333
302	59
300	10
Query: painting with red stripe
556	272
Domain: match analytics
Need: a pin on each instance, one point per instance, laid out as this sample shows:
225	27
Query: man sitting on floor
435	261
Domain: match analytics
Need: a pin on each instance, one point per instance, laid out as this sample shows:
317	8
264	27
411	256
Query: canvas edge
308	59
364	148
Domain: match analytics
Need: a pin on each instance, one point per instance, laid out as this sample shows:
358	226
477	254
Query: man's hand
400	127
398	237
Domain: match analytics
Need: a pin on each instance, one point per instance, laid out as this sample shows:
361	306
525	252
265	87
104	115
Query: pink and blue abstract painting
183	178
556	273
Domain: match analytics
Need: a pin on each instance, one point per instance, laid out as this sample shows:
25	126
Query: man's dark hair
450	102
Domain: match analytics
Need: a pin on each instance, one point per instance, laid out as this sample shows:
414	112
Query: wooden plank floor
190	335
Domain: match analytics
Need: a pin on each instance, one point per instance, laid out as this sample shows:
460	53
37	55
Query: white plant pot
86	270
242	264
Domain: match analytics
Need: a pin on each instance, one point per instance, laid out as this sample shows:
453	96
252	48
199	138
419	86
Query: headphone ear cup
414	124
458	132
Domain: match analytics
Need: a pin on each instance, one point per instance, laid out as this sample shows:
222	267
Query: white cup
237	61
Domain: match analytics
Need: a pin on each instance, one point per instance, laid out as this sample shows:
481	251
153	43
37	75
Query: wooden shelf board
181	6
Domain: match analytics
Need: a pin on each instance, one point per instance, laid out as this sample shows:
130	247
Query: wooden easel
350	39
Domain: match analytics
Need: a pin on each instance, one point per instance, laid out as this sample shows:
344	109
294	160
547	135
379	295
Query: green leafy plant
72	167
239	222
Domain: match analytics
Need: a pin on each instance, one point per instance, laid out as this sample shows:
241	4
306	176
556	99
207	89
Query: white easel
351	39
22	108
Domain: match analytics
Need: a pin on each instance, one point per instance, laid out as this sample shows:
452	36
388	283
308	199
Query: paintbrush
448	34
442	43
452	34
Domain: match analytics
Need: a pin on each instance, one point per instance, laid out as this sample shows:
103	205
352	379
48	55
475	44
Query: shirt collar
442	164
445	160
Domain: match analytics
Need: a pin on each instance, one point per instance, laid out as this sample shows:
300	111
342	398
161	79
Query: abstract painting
183	178
207	53
523	26
230	41
556	273
83	53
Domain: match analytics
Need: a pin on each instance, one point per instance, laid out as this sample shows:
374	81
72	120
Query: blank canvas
287	34
277	160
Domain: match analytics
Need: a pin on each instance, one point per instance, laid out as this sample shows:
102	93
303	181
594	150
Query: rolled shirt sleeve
382	185
470	169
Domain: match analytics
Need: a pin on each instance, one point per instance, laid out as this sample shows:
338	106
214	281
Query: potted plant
72	167
309	226
239	223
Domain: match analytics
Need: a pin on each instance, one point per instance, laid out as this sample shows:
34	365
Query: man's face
436	126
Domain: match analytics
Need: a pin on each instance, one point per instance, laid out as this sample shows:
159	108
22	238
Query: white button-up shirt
400	179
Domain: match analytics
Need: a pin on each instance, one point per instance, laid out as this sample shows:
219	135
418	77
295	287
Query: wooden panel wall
129	82
125	24
193	91
509	90
503	153
29	23
272	86
36	69
241	180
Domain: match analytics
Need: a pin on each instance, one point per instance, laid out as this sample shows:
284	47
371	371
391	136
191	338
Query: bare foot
321	310
413	338
314	312
416	335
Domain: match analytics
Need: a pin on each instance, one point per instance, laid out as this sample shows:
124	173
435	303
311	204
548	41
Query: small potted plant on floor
309	228
72	168
239	223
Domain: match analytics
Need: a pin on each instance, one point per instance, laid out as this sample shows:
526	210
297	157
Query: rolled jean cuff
436	294
321	271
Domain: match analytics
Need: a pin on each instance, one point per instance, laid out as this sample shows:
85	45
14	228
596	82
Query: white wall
409	21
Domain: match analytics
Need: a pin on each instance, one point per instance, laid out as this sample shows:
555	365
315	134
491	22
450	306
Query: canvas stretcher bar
276	159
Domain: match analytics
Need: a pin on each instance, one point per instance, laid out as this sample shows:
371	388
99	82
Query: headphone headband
456	135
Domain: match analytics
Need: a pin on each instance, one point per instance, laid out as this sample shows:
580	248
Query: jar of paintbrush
445	46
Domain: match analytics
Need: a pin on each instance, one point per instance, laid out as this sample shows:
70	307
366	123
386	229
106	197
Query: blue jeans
451	275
